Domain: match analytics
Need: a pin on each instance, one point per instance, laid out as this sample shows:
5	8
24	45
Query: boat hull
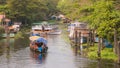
35	49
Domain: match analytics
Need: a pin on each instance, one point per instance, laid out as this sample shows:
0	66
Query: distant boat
81	28
48	28
39	27
78	25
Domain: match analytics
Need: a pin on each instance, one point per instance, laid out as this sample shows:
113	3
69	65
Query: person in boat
34	45
38	46
42	47
43	28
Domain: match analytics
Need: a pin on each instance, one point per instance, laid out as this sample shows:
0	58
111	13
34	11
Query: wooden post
79	42
7	30
76	40
76	50
93	37
90	37
88	40
80	39
102	44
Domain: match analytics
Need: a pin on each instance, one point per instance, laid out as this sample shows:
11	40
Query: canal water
17	54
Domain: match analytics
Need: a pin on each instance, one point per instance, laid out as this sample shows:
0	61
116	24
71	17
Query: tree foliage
28	10
104	18
101	15
71	8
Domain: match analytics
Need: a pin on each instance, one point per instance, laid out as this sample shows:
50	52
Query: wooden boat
39	29
44	27
35	48
78	25
35	44
80	30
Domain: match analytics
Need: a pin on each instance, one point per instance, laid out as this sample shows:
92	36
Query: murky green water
16	54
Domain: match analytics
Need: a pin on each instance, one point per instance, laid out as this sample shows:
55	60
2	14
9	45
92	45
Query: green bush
19	35
108	53
92	54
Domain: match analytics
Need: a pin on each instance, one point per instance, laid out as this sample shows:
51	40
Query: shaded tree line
28	11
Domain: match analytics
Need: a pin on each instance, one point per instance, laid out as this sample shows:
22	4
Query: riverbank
91	52
106	53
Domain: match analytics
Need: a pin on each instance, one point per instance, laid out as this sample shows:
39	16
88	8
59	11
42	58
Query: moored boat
80	30
38	44
35	48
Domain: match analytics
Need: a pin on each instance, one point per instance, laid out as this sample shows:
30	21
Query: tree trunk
88	41
93	37
115	41
99	48
118	52
79	39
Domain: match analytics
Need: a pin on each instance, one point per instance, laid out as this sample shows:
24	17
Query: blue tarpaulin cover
41	39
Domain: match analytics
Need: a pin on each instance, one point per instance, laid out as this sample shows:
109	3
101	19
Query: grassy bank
106	53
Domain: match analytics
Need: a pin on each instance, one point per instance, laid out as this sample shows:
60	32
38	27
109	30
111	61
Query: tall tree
105	19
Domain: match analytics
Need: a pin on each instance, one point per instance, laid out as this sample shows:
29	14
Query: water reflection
38	57
103	64
13	44
76	50
7	51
